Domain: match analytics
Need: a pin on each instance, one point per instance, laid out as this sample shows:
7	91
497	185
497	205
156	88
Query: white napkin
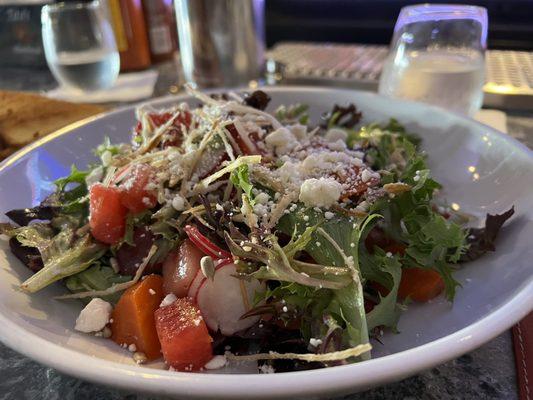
130	86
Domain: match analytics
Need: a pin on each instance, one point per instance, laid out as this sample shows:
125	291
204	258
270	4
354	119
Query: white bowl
497	289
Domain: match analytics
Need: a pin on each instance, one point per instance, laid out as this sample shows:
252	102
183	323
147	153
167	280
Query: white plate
481	169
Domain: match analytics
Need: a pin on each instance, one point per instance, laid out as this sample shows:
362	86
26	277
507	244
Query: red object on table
523	350
129	27
161	29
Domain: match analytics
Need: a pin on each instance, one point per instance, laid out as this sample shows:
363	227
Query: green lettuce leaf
240	178
386	312
96	277
79	256
347	303
431	241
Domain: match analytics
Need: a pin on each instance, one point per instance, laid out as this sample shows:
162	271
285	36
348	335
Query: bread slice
25	117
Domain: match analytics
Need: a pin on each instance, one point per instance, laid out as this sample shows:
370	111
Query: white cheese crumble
168	300
315	342
339	145
94	317
178	203
362	206
334	134
262	198
367	174
281	141
106	157
323	192
266	369
329	215
299	131
95	176
216	362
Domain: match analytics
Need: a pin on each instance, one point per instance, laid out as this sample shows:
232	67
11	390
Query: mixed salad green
226	230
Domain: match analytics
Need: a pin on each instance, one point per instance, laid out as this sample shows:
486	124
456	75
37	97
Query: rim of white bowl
341	379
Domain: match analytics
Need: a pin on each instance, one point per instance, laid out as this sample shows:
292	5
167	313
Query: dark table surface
486	373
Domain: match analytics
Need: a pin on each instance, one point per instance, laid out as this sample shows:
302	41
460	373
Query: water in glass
438	58
79	45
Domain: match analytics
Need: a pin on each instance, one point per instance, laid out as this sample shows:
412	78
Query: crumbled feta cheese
168	300
262	198
95	176
329	215
281	141
132	348
216	362
178	203
94	317
315	342
389	254
285	309
261	209
266	369
139	358
322	192
299	131
334	134
106	157
362	206
366	175
339	145
288	172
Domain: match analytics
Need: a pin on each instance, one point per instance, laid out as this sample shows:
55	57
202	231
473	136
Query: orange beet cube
133	316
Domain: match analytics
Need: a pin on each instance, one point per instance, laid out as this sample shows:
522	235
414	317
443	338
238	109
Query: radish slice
221	300
180	268
204	244
200	278
195	285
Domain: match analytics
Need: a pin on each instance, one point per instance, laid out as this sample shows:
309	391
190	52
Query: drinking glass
221	41
79	45
437	56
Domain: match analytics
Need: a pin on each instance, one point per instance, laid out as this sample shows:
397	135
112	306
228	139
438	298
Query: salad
225	233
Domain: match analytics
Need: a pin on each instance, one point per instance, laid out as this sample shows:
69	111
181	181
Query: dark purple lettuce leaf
257	99
345	117
481	240
24	216
29	256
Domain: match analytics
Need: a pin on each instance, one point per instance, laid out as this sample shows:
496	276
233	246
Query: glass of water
437	56
79	45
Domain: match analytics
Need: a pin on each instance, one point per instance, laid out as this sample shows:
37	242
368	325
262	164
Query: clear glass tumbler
221	41
79	45
437	56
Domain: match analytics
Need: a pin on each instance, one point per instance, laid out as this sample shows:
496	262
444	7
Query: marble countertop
486	373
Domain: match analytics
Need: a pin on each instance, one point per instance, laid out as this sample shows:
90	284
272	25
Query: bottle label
160	40
118	25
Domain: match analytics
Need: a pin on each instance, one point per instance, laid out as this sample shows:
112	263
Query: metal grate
508	84
510	67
